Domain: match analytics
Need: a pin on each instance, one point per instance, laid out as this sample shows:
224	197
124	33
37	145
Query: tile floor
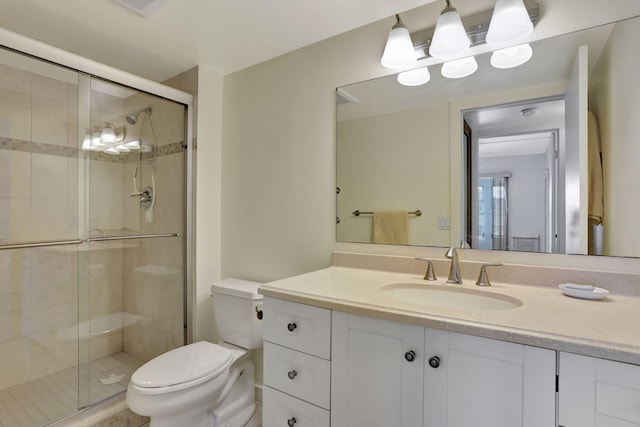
43	400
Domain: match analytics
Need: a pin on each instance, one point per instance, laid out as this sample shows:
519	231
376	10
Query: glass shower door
135	198
92	253
39	241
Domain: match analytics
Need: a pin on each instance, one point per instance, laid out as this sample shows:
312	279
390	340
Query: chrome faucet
454	271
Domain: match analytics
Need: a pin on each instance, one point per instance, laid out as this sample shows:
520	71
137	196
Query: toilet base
239	406
232	408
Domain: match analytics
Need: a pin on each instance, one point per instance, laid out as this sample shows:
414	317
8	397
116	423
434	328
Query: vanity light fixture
416	77
111	134
399	51
510	22
132	145
459	68
450	37
512	56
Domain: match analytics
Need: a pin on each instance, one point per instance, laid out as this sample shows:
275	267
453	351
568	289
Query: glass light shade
108	135
86	142
111	150
399	51
416	77
96	140
512	56
510	22
450	38
459	68
132	145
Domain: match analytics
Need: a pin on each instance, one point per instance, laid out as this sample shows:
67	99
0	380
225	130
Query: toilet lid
183	364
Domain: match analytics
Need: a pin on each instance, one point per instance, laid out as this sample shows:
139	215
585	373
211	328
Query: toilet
205	384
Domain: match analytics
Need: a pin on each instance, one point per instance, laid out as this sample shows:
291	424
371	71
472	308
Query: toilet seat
182	368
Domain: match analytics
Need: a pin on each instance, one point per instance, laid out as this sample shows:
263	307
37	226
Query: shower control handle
292	326
292	421
292	374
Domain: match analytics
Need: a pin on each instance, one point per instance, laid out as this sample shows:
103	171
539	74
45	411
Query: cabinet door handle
292	421
410	356
434	362
291	326
292	374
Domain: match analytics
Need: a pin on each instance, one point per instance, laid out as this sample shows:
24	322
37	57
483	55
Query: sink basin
449	297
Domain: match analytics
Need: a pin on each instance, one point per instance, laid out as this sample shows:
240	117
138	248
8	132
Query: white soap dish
583	291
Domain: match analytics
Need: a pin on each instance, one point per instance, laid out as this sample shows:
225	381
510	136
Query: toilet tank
235	307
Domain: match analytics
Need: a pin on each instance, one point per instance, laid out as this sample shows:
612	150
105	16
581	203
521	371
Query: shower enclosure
92	246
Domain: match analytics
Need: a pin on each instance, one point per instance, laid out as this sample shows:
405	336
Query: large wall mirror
505	159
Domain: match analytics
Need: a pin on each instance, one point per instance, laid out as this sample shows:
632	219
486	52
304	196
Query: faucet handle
483	278
430	275
452	252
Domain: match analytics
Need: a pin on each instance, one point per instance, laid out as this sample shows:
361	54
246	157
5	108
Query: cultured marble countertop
607	328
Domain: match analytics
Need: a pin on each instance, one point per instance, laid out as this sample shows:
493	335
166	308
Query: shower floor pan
44	400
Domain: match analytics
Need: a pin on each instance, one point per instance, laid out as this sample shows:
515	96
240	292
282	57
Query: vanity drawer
302	375
282	410
298	326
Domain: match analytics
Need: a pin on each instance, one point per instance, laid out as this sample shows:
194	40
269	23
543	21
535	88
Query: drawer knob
291	327
410	356
434	362
292	421
292	374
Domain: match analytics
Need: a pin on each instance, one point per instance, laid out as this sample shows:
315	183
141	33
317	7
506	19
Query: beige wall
394	162
278	201
615	100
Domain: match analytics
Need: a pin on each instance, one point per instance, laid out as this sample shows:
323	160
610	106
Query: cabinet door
598	393
376	372
482	382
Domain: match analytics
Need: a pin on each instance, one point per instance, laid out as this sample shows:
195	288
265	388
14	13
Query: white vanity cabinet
297	372
474	381
597	393
376	375
393	374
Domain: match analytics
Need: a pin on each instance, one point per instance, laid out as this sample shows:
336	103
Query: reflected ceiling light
416	77
132	145
512	56
96	141
510	22
459	68
450	37
399	51
86	142
111	134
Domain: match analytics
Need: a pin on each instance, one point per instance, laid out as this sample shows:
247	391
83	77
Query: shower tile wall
135	281
154	271
38	288
106	204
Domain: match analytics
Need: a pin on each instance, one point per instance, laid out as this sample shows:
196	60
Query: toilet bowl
205	384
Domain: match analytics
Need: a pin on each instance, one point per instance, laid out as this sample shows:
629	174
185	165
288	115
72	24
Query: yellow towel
596	190
391	227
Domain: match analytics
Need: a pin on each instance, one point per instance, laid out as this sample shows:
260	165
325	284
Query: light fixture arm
399	23
449	8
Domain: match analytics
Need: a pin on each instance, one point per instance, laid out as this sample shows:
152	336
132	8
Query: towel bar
417	212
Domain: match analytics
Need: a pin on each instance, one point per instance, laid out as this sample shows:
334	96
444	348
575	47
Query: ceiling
222	35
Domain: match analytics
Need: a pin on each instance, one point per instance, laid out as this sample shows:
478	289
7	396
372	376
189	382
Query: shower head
132	118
